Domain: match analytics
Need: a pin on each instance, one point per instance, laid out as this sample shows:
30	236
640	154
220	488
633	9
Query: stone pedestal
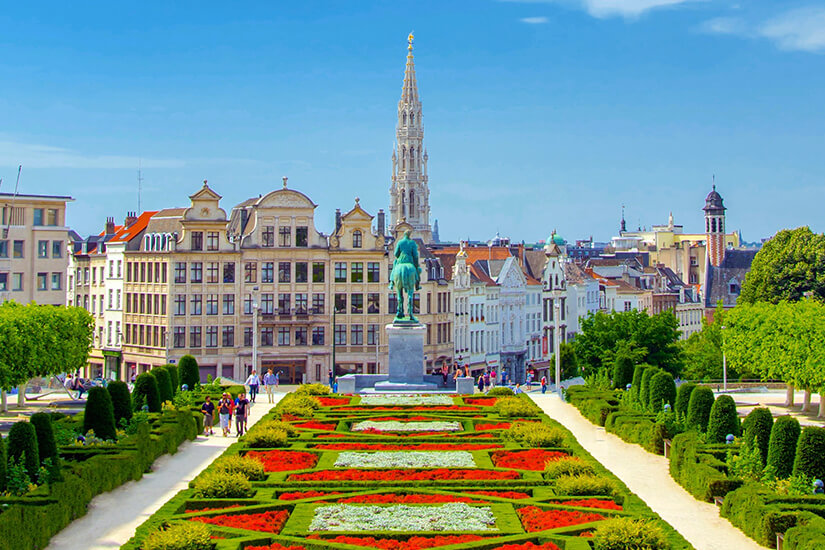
465	385
406	359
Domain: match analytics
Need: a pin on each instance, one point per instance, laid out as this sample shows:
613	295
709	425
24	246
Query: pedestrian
253	382
481	383
208	410
444	373
330	378
269	383
335	385
277	379
487	379
225	412
241	413
79	386
517	389
493	378
543	384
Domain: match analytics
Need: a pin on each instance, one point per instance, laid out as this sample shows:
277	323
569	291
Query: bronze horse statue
405	276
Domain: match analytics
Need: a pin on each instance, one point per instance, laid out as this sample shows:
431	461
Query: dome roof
714	201
555	238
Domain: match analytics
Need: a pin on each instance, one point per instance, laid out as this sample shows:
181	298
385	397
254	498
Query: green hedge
757	427
810	453
164	384
146	393
121	400
22	445
188	372
782	446
699	405
99	415
700	473
723	420
683	398
662	391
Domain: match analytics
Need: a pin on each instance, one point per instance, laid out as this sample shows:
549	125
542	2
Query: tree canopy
788	265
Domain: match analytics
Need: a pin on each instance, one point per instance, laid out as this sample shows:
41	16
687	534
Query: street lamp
556	340
724	363
334	312
255	328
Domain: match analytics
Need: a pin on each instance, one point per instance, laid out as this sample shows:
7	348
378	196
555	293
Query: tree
683	398
782	446
121	400
174	379
188	372
22	446
701	401
2	464
662	391
164	384
569	362
644	387
99	415
43	429
788	265
146	393
810	453
757	427
723	419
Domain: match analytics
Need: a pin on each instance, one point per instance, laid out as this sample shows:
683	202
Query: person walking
208	410
543	384
269	384
225	412
241	413
79	385
277	379
253	382
444	373
487	379
493	378
481	383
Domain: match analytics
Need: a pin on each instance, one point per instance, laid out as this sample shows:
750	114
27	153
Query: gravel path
647	475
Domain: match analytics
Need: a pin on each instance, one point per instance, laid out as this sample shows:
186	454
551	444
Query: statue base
406	352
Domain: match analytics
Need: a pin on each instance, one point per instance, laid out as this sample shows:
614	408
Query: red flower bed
403	419
438	474
500	494
406	499
275	546
326	436
290	417
494	426
536	519
481	401
418	408
333	401
315	425
475	436
528	546
593	503
269	522
282	461
188	511
531	459
412	543
409	447
295	495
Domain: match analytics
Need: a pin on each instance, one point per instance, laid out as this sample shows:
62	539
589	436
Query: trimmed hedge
22	440
751	510
174	379
723	420
46	446
782	446
699	405
810	453
683	398
2	464
638	371
623	370
121	400
757	426
644	387
164	384
700	473
146	393
99	415
662	391
188	372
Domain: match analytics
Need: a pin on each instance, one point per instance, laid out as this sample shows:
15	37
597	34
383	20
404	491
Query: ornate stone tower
409	193
715	227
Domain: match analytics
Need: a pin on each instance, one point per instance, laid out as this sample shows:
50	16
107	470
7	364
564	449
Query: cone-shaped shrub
99	415
662	390
699	405
622	371
683	398
723	419
23	440
121	400
145	392
43	429
644	387
782	446
174	379
810	453
757	426
2	464
164	384
638	371
188	372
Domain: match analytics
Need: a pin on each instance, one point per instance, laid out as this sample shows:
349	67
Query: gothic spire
409	92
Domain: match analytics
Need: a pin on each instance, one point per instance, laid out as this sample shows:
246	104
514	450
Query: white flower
406	459
453	516
401	400
396	426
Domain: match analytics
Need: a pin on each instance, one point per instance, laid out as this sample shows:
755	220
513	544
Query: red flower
333	401
188	511
531	459
389	498
480	401
408	447
494	426
438	474
315	425
295	495
290	417
412	543
281	461
325	436
500	494
269	522
592	503
536	519
528	546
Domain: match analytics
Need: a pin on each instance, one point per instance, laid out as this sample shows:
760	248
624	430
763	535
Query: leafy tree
757	427
701	401
46	445
22	442
683	398
569	361
788	265
174	379
188	372
782	446
121	400
146	393
723	419
810	453
99	415
662	391
164	384
644	387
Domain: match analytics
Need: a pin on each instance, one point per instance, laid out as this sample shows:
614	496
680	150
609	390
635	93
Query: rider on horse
406	274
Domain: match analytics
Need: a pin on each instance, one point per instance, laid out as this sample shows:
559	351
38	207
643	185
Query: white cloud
801	29
724	25
534	20
608	8
47	156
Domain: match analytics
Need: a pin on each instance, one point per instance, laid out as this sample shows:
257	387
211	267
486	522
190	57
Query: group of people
270	381
227	408
486	380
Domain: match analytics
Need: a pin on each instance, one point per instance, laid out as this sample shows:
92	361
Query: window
194	337
301	275
318	303
51	216
340	272
197	241
4	250
356	239
301	304
317	336
268	272
340	335
268	236
317	272
18	249
284	236
212	304
229	304
120	267
284	304
356	335
4	282
180	272
627	306
17	281
247	336
373	272
111	299
229	272
301	336
179	338
373	302
196	304
266	336
284	271
180	304
341	302
38	216
211	337
56	280
356	274
228	337
196	272
111	268
283	336
142	273
212	240
373	338
42	281
356	303
42	249
212	269
392	303
250	272
416	303
302	236
734	289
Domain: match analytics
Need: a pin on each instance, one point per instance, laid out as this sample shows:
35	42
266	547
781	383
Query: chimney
337	219
521	255
382	228
110	226
130	219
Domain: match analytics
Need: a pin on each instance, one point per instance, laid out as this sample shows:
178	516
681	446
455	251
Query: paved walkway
647	475
113	517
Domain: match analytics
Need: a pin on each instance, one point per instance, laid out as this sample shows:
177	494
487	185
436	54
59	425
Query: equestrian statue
405	276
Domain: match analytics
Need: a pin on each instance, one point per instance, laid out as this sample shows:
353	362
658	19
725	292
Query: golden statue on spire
410	40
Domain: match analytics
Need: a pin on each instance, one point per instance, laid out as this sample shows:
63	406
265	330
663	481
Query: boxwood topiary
623	370
683	398
757	426
782	446
145	392
99	415
46	446
662	390
644	387
164	384
174	379
810	453
189	535
512	407
22	440
219	484
2	464
500	391
699	405
627	533
188	372
121	400
723	419
636	383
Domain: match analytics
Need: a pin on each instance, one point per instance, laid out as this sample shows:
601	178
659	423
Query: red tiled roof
476	253
126	234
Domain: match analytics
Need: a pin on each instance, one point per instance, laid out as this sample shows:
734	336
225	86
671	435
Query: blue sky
538	114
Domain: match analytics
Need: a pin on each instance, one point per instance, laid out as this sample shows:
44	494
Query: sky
538	114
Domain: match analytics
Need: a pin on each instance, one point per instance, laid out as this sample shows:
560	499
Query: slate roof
734	267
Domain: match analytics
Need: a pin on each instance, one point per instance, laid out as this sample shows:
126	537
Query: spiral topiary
757	427
121	400
146	392
22	442
683	398
699	405
723	419
164	384
782	446
662	390
99	415
810	453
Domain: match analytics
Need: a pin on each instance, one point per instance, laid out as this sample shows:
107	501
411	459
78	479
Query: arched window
713	225
356	239
412	158
404	119
412	119
412	201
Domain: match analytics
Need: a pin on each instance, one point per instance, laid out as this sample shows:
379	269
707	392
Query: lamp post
255	328
334	312
556	339
724	363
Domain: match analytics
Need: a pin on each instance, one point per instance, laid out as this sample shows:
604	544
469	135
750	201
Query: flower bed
531	459
419	408
405	459
412	543
268	522
404	475
275	546
333	401
527	546
536	519
407	447
315	425
592	503
382	433
455	516
297	495
480	401
403	419
397	426
393	498
501	494
495	426
282	461
394	400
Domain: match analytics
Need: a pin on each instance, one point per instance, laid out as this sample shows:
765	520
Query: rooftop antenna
140	183
11	209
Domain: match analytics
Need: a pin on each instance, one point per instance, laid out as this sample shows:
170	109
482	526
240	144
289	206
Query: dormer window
356	239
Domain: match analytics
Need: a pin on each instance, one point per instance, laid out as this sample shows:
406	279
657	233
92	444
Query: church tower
409	193
715	227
